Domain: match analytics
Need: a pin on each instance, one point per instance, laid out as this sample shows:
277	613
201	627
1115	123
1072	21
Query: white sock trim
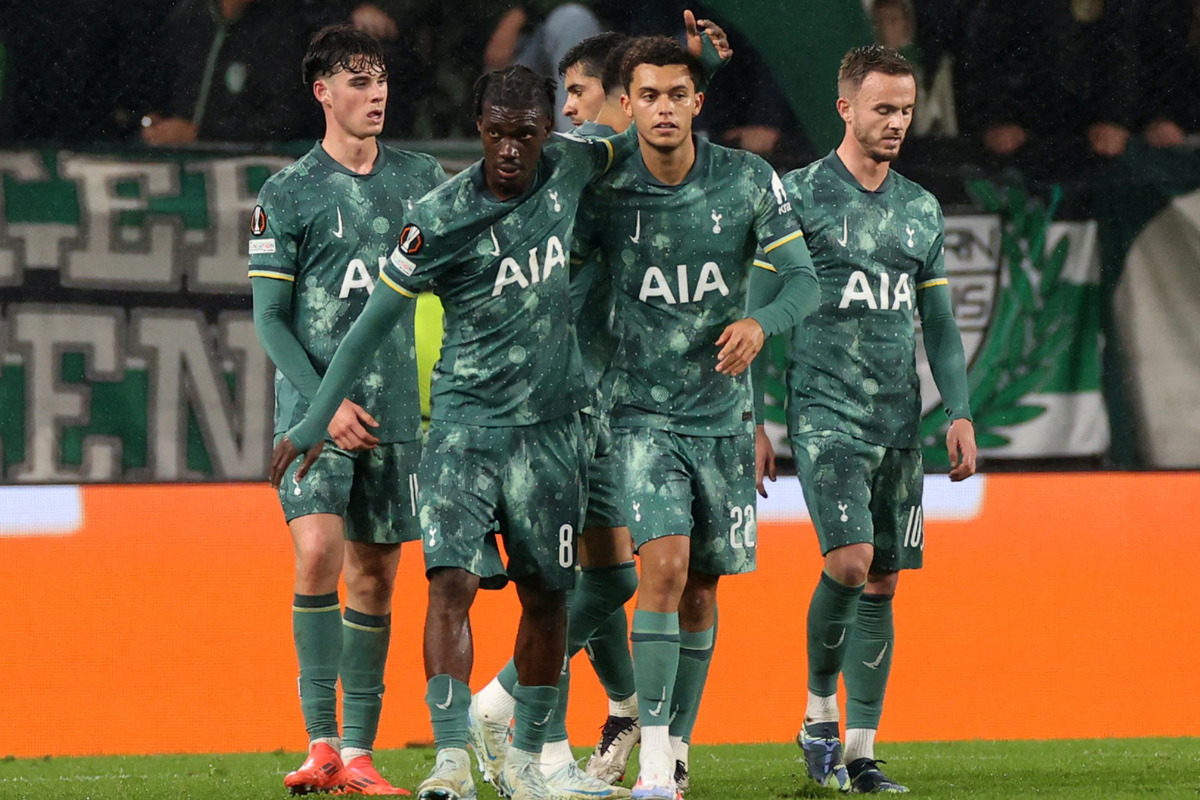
555	756
495	704
860	743
656	737
350	753
623	708
821	709
332	741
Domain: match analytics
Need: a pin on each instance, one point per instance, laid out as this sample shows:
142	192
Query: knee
664	577
318	562
882	583
698	601
615	585
850	565
543	605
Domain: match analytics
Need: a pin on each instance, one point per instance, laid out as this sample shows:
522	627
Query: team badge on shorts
411	240
258	221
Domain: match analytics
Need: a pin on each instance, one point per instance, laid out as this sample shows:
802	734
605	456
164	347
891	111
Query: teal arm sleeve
943	346
764	287
273	324
798	295
378	317
710	62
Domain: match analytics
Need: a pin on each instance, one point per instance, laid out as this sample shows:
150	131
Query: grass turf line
1098	768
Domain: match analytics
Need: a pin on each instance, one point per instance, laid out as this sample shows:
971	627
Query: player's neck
613	116
669	167
866	170
355	154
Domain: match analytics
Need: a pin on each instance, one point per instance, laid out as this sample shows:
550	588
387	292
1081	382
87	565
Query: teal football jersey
510	355
328	230
853	363
679	258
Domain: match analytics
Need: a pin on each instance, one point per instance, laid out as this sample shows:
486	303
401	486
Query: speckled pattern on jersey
528	478
696	486
374	491
860	493
853	362
510	354
680	259
329	231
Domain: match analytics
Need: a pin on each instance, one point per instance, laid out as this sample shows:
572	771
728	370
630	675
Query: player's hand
739	343
373	20
764	459
347	431
157	130
960	445
282	457
695	29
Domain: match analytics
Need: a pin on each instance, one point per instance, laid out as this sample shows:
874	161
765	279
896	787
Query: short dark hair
515	87
592	54
612	66
862	61
658	51
342	47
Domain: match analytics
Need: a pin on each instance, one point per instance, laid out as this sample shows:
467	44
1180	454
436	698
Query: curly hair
658	51
515	87
341	47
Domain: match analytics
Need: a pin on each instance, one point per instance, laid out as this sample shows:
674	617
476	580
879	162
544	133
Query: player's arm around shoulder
947	358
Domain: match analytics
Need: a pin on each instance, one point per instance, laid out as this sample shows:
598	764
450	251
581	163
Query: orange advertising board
143	619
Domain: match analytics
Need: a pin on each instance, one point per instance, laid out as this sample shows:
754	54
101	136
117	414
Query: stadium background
147	575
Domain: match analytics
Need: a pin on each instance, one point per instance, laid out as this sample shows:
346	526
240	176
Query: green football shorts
860	493
605	480
374	491
696	486
527	482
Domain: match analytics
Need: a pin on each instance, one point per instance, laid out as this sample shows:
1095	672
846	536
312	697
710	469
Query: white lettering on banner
40	246
189	374
116	255
655	284
222	265
44	333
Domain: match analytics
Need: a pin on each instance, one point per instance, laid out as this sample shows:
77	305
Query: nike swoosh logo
449	697
654	712
338	232
875	664
845	232
495	242
836	645
637	233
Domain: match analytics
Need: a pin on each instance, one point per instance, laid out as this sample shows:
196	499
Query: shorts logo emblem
842	508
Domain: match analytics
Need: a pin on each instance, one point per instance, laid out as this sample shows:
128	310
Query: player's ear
627	105
320	90
843	109
698	104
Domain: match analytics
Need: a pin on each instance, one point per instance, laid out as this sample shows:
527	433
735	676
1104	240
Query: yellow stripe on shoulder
933	282
611	154
279	276
767	265
383	276
780	242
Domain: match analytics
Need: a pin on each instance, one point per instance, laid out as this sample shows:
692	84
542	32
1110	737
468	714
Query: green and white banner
128	352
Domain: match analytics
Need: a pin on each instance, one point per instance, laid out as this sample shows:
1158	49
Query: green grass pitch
1103	768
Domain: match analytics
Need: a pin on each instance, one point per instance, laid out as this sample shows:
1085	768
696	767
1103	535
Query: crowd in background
1047	86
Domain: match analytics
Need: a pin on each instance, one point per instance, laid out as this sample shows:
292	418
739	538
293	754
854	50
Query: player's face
354	100
880	112
512	144
663	101
585	96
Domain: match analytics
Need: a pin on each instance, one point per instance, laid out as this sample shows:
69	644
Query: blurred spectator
895	25
744	107
1169	80
232	74
73	70
538	34
1049	85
